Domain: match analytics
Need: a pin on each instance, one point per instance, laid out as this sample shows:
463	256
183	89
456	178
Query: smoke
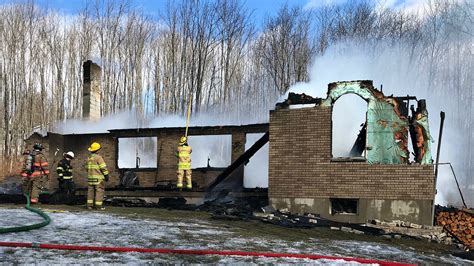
122	120
130	119
394	67
217	148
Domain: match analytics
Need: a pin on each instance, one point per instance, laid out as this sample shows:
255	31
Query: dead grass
5	170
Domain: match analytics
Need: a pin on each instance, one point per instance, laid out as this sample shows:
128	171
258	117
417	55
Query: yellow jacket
184	157
96	169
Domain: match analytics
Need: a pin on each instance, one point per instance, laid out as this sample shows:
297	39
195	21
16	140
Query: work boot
100	208
89	207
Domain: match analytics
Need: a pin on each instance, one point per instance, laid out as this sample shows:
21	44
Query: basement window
137	153
344	206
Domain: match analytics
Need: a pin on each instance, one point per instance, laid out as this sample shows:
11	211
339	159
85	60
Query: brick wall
79	144
300	164
166	156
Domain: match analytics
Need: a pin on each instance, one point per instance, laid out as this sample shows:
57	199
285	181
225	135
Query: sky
260	8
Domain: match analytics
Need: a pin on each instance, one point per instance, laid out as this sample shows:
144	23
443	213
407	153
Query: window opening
138	152
210	150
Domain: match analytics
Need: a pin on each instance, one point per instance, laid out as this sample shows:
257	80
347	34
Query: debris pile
283	217
459	224
230	208
396	228
10	185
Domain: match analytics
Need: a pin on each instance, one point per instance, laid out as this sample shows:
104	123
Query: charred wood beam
195	130
296	98
243	159
359	145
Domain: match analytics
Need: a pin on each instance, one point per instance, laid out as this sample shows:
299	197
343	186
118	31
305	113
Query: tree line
212	53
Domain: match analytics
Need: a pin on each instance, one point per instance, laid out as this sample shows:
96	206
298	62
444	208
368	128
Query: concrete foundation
414	211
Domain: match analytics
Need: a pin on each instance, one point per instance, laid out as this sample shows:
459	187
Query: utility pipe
441	124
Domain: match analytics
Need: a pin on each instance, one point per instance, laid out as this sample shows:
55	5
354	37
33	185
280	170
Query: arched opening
348	132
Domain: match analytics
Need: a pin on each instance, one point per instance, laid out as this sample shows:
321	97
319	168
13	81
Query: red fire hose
196	252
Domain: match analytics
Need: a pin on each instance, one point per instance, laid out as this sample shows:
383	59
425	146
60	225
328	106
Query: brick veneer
300	164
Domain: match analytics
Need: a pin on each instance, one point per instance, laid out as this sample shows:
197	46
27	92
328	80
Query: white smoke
392	67
130	119
216	149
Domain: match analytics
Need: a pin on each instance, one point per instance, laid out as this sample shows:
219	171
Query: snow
104	229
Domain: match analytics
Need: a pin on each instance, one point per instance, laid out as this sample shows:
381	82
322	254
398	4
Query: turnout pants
67	187
181	173
32	187
95	195
67	190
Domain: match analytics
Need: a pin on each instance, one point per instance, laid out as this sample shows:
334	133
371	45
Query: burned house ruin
377	181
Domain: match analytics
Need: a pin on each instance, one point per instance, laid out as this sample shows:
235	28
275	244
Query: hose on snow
197	252
45	222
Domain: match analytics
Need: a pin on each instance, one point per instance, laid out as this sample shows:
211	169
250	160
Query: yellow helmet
183	140
94	147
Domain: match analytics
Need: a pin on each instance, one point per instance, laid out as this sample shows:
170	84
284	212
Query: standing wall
304	178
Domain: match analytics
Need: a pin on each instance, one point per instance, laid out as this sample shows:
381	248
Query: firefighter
184	163
26	170
97	173
67	187
37	173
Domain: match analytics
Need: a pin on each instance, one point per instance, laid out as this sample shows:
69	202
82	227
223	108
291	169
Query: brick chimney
91	91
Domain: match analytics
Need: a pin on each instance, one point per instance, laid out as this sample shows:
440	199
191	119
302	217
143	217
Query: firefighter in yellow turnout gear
184	163
97	173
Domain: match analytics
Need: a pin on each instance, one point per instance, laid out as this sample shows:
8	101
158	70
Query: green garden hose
46	221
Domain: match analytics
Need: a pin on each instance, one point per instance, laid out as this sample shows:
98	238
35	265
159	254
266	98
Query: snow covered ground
184	230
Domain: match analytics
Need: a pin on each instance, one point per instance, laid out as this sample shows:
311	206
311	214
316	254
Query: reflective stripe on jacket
184	157
64	169
40	165
96	169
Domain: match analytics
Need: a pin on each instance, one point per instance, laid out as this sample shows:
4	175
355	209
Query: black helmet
38	146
